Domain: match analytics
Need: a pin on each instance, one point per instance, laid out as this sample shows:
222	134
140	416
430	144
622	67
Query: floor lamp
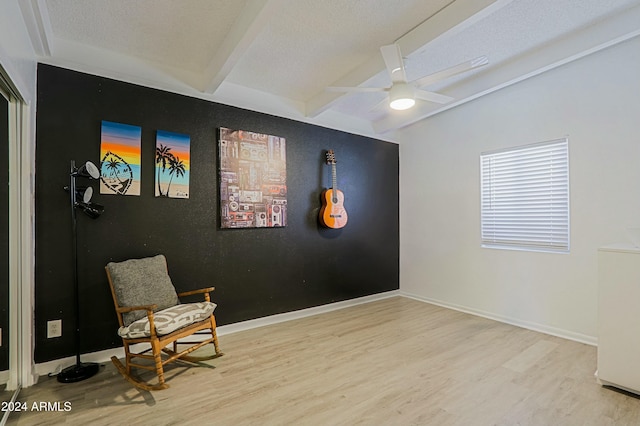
80	197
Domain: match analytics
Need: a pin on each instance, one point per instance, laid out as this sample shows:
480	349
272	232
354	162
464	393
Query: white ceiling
278	56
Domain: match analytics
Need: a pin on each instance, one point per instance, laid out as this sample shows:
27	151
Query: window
525	197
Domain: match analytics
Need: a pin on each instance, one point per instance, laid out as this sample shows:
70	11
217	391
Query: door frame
21	244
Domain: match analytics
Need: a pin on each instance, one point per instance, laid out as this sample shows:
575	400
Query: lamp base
78	372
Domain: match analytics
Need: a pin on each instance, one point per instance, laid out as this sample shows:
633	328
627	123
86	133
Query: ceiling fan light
401	96
402	104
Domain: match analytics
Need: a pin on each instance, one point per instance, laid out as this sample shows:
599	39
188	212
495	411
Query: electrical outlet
54	328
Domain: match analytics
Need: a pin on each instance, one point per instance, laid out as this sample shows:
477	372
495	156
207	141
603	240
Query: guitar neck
334	179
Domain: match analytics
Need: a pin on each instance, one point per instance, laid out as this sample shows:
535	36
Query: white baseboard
558	332
55	366
303	313
4	377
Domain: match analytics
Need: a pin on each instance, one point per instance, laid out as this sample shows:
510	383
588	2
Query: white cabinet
619	316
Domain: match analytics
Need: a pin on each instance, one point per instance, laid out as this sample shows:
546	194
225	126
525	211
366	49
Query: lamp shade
91	209
84	194
89	170
401	96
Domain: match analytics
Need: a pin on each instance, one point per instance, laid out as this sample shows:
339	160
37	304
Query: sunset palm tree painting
120	159
172	164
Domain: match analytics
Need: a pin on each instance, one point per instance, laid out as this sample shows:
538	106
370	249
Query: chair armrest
137	308
198	291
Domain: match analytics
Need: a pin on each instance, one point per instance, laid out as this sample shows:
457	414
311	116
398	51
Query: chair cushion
139	282
169	320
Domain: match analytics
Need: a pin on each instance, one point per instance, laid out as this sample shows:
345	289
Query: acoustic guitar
332	214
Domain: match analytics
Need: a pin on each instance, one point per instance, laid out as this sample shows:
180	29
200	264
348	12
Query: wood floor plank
396	361
530	356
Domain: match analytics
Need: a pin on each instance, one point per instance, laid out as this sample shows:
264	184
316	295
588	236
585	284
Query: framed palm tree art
120	159
172	164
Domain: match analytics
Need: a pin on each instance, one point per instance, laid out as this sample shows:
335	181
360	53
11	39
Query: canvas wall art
120	159
172	164
253	179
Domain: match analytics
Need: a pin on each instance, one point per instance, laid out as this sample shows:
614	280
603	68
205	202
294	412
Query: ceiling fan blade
395	65
433	97
383	105
449	72
356	89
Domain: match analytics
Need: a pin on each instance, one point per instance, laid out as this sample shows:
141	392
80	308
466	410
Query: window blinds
525	197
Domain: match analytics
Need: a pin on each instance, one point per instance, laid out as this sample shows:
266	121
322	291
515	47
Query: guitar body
332	213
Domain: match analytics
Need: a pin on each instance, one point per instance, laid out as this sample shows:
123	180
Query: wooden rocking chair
149	311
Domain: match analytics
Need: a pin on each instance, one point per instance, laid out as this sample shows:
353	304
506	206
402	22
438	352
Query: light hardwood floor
392	362
5	395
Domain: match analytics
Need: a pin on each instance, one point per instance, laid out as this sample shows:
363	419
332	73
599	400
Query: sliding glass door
4	234
13	131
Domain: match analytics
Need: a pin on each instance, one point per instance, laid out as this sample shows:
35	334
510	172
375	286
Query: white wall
595	101
16	54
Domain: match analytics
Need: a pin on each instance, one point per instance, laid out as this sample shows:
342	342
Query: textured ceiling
176	33
307	48
278	56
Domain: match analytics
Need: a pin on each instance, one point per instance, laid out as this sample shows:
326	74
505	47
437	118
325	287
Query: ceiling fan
403	93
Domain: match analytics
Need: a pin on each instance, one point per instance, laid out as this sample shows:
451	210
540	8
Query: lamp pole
74	253
79	371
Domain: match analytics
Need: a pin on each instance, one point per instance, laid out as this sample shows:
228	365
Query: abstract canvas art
172	164
120	159
253	179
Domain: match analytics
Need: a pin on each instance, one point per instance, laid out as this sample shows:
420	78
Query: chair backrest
138	282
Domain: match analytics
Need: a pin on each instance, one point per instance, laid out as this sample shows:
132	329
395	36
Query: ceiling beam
452	19
36	18
252	20
579	44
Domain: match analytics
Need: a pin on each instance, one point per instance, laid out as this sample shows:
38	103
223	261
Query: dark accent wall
4	232
256	272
